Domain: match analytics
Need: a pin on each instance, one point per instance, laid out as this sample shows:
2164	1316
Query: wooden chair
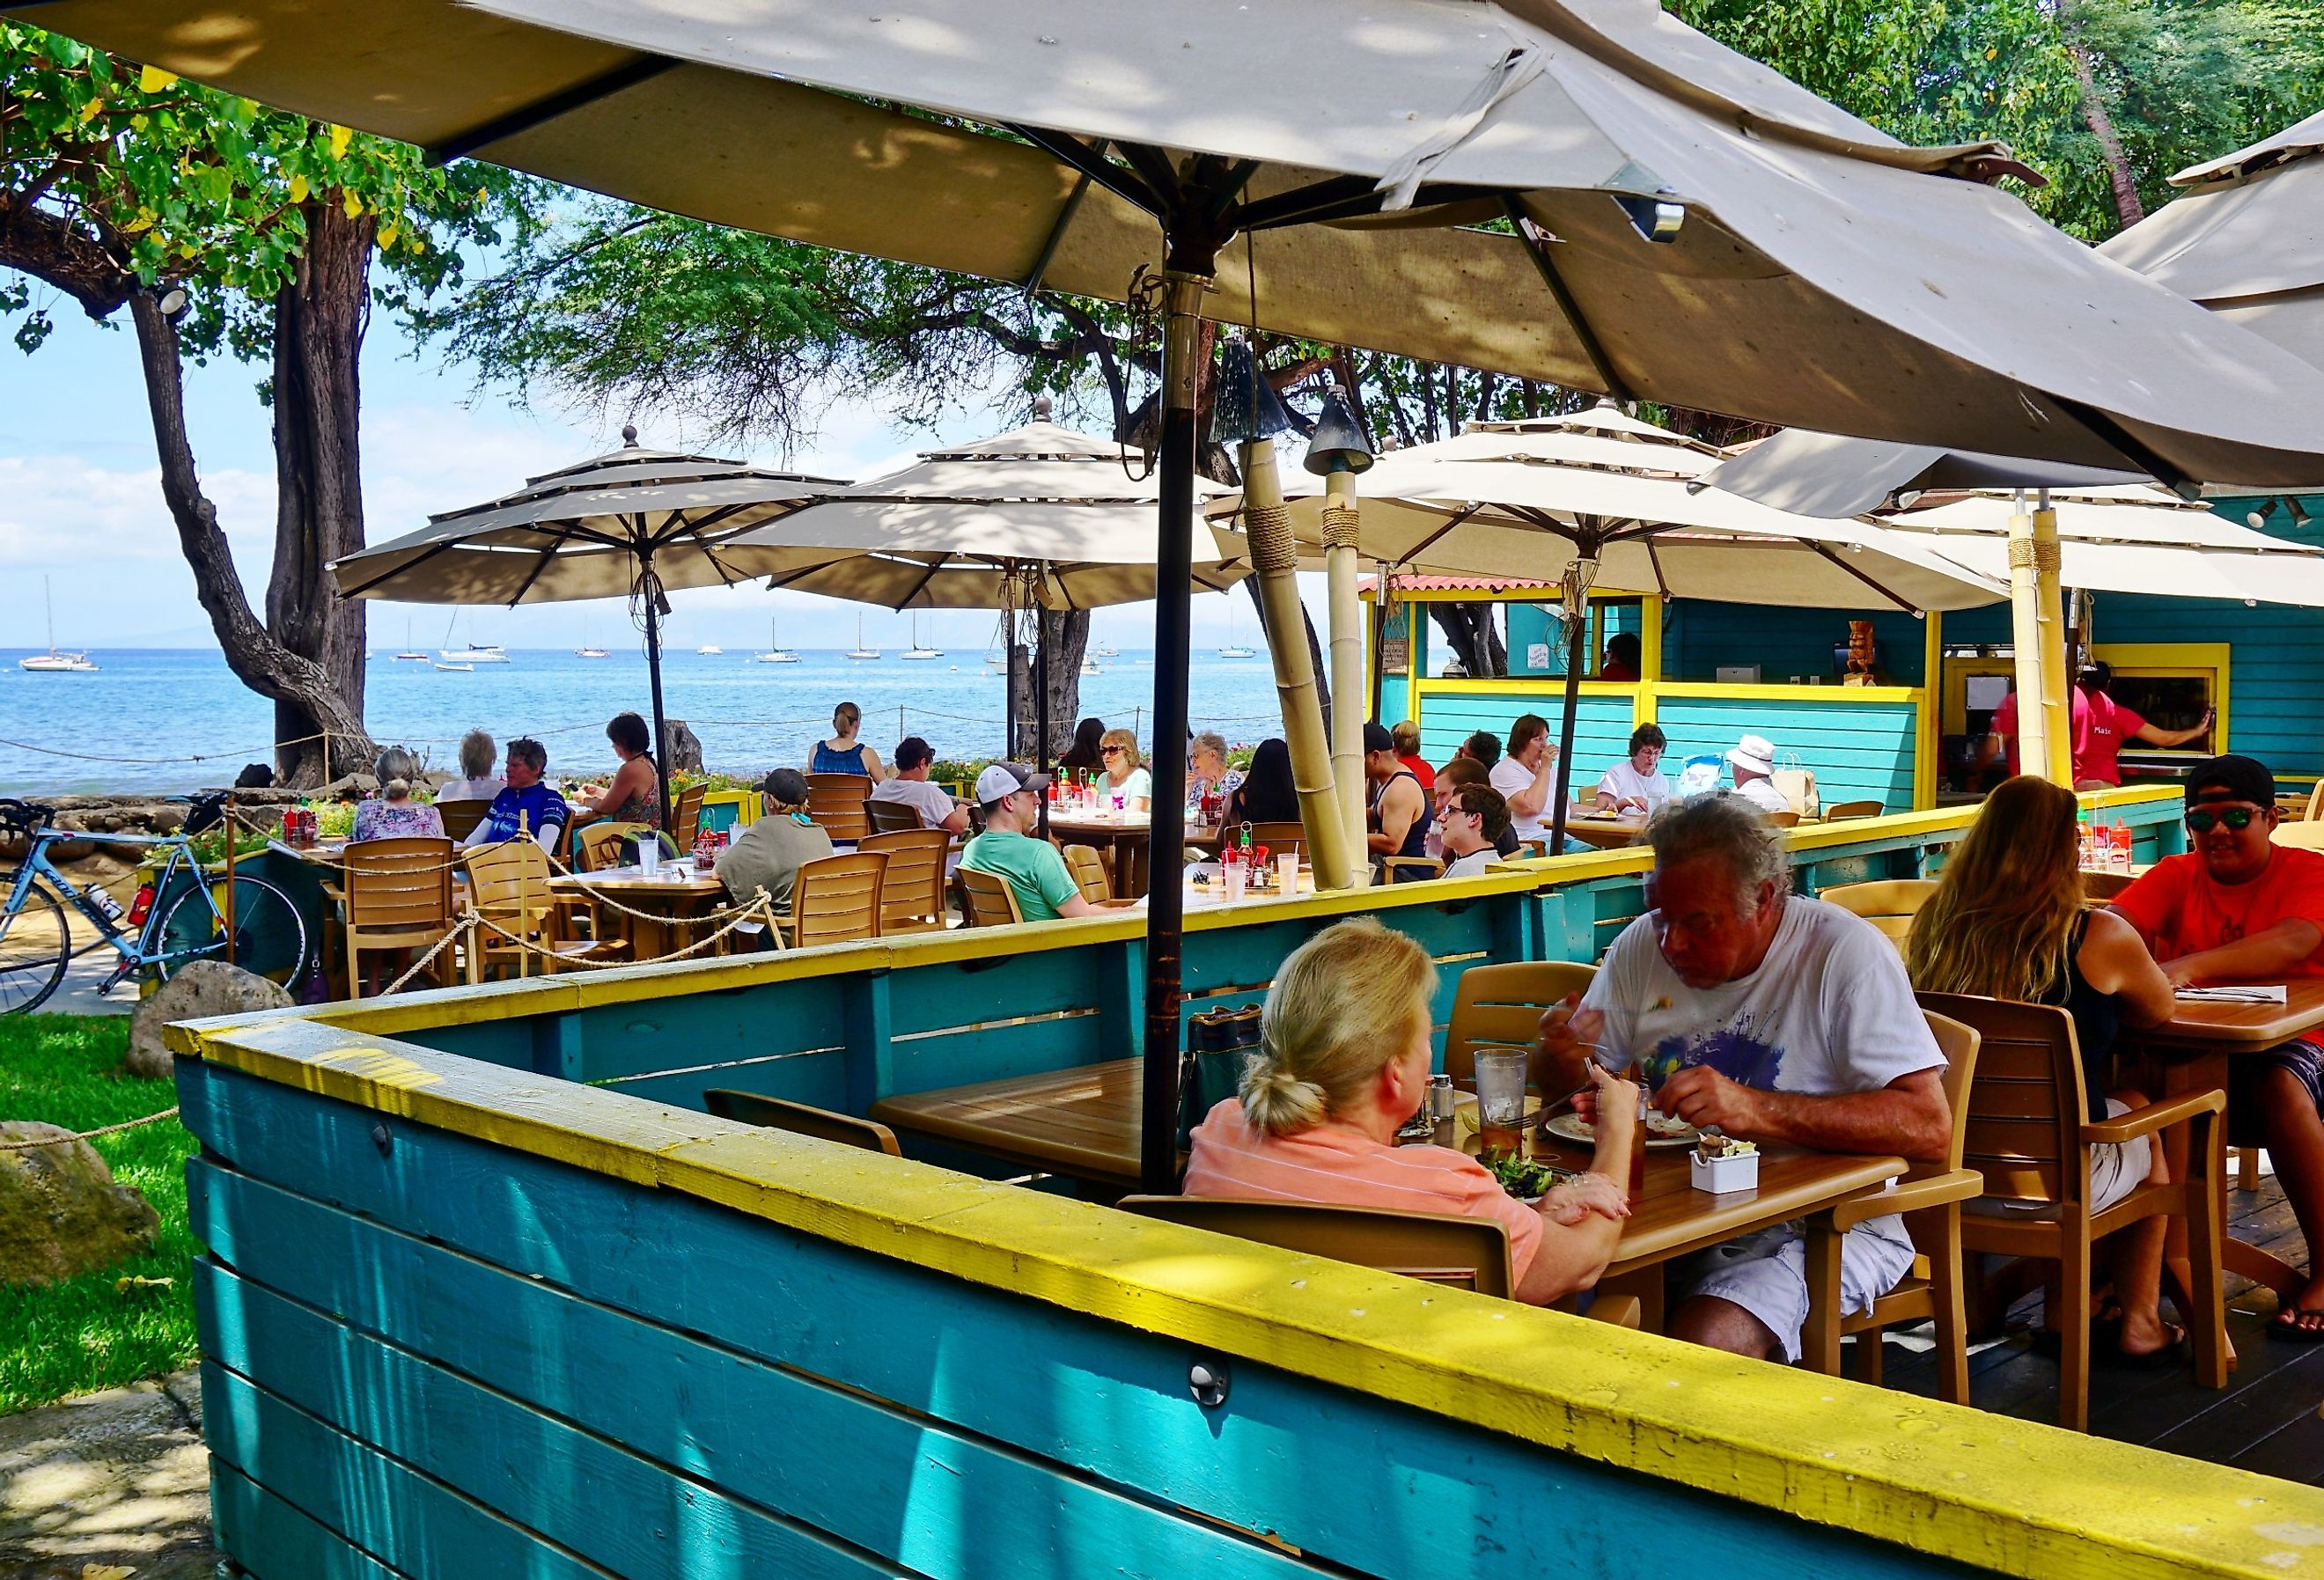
686	814
836	801
1500	1007
1436	1248
2301	835
1846	809
395	894
508	885
987	901
891	817
461	818
598	846
1931	1199
1888	903
1533	850
2097	888
1281	836
1410	869
836	899
775	1113
912	888
2027	1136
2314	810
1088	869
1784	819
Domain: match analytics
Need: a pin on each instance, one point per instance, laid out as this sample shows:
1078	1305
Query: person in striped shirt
1344	1061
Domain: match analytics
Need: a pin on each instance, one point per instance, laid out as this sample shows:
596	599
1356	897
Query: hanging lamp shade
1338	443
1247	408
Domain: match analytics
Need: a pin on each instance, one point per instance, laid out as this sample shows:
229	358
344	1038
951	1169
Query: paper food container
1721	1175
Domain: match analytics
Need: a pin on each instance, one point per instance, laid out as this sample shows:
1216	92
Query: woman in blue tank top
842	752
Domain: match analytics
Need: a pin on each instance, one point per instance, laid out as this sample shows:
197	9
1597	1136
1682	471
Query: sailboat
53	662
586	651
410	654
1104	652
776	654
919	648
1090	667
1234	648
859	650
475	652
709	650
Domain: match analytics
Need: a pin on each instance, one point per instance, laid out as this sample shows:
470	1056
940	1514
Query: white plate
1574	1128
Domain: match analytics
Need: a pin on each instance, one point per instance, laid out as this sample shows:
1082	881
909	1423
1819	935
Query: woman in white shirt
1638	784
1124	779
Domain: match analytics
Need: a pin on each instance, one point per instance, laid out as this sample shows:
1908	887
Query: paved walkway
108	1486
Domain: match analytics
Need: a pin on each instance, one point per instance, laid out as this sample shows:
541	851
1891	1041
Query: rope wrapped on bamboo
2040	555
1340	526
1272	546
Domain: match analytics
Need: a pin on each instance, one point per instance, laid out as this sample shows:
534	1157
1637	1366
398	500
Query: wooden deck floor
2270	1417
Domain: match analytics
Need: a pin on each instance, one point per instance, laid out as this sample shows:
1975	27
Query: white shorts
2116	1168
1765	1273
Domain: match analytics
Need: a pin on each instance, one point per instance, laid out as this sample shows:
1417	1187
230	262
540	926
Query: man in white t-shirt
1777	1018
910	784
1524	778
1753	762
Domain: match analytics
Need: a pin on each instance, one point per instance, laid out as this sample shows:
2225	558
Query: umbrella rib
1066	212
1655	558
627	75
1154	167
1825	549
1430	541
1091	162
1592	348
542	564
421	559
1343	198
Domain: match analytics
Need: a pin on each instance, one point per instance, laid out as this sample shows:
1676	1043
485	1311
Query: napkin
2235	995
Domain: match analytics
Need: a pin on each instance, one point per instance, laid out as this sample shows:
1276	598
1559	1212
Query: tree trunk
1066	631
1468	628
319	319
257	660
2119	176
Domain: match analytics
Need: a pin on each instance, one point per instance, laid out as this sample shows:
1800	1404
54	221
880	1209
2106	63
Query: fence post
229	879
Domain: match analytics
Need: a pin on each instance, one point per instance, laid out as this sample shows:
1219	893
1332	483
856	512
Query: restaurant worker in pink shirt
1344	1062
2101	728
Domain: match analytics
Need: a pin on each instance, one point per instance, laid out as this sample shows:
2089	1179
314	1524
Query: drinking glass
649	856
1287	870
1500	1100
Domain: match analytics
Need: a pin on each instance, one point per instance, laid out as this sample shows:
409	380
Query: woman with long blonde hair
1344	1061
2009	920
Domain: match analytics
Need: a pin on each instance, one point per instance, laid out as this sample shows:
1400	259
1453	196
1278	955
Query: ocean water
172	720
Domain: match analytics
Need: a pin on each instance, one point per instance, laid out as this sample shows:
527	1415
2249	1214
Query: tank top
643	807
850	760
2097	1020
1415	839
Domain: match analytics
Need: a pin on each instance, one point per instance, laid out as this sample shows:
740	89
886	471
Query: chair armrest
2154	1116
1621	1310
1910	1195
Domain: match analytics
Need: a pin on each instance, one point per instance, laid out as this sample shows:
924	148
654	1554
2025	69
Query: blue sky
80	501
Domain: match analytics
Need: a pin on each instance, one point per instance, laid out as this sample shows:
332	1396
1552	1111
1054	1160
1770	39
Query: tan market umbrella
1601	498
632	523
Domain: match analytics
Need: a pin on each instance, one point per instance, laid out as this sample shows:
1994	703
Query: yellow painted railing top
2016	1496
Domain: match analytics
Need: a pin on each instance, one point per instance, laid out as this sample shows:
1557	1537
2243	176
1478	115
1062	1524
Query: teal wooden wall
1858	750
1698	637
425	1356
1602	724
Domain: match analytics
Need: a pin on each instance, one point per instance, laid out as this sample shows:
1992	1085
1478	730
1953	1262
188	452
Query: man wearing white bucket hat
1753	761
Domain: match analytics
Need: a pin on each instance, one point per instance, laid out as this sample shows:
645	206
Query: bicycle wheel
269	936
34	945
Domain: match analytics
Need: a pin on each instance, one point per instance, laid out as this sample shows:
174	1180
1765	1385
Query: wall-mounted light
173	303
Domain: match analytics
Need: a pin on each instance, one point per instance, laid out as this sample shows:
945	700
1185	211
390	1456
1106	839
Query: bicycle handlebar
24	817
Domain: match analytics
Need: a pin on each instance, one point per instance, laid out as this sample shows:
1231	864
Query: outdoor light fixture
1338	443
2258	517
1657	218
2300	516
173	303
1247	408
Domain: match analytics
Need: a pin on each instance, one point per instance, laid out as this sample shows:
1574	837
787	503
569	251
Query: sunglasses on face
1109	751
2235	817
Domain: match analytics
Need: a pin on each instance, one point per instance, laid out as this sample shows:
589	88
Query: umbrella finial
630	434
1247	408
1338	444
1041	408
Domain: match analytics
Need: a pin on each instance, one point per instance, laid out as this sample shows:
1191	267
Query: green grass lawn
82	1334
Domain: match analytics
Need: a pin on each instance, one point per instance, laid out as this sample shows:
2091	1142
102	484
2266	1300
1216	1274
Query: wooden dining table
674	898
1605	833
1121	839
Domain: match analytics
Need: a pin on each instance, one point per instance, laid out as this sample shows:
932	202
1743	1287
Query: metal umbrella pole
649	589
1580	573
1041	703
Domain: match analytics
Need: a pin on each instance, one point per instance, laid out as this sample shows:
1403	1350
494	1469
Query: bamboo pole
2028	635
1276	559
1340	530
2057	686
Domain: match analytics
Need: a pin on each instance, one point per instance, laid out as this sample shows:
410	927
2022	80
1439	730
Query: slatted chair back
837	899
1088	868
836	801
2021	1123
461	816
987	901
2097	888
598	846
686	814
1889	904
509	882
775	1113
912	888
1467	1253
1784	819
891	817
1846	810
1278	837
399	886
1410	869
1499	1007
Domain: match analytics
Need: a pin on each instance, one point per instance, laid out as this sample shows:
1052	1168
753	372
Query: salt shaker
1441	1098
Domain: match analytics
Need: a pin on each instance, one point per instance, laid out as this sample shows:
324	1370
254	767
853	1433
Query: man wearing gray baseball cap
1010	795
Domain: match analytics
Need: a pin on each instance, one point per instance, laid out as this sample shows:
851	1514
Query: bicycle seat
204	812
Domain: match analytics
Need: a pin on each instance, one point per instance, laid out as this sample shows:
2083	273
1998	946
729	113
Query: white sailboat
1090	667
919	648
53	662
475	652
709	650
1104	652
1234	648
455	669
410	654
859	650
589	650
776	654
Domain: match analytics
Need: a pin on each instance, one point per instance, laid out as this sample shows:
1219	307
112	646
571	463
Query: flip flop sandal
2298	1325
2172	1355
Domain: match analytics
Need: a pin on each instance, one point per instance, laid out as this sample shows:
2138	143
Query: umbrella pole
1579	576
2027	635
1340	530
1173	636
1041	705
652	589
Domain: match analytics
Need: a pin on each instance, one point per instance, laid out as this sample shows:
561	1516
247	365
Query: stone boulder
685	747
203	987
60	1211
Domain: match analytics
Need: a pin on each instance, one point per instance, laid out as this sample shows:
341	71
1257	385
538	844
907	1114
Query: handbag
1797	785
1219	1046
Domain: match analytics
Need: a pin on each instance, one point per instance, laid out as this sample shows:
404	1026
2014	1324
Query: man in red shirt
2240	908
2101	727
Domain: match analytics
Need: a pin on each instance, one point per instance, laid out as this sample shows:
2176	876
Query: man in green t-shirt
1010	794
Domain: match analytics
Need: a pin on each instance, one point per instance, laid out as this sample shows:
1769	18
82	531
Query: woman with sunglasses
2008	921
1124	779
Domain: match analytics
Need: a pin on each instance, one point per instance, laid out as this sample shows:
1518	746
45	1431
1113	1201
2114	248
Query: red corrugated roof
1456	584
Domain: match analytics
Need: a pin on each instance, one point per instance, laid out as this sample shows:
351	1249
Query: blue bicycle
185	913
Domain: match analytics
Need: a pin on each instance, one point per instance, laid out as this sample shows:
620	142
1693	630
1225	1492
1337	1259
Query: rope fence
87	1135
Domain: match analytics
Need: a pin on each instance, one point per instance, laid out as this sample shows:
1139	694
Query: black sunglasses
1109	751
2236	818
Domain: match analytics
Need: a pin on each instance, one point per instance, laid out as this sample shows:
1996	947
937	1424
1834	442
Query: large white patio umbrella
1686	225
632	523
1599	498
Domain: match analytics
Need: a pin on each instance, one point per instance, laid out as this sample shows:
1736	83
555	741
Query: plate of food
1662	1129
1524	1179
